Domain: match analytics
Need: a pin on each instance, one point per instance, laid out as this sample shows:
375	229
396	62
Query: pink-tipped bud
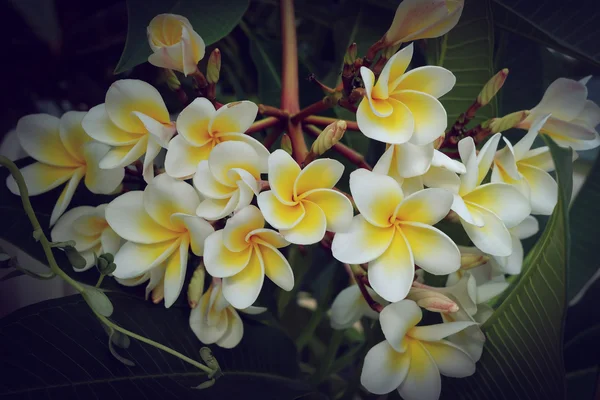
329	137
472	260
492	87
196	286
286	143
432	300
213	67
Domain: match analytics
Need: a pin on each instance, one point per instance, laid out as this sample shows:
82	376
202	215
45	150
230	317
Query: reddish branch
326	121
351	155
361	281
262	125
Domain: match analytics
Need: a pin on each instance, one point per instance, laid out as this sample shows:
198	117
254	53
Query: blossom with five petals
349	306
394	232
201	128
404	106
486	211
302	203
134	120
64	153
87	226
574	117
242	253
228	180
175	43
160	225
411	358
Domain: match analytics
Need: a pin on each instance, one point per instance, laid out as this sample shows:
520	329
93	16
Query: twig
351	155
262	124
314	108
270	111
326	121
358	277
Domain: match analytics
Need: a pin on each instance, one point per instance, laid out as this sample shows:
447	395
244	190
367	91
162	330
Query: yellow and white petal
432	80
432	249
376	96
111	242
198	230
245	182
385	163
129	219
233	117
283	172
412	185
529	227
362	243
232	155
450	359
64	229
391	274
66	195
395	68
564	99
323	173
336	207
278	214
493	237
427	206
344	309
166	196
72	135
485	158
505	165
423	381
461	208
311	227
39	135
259	148
567	134
430	119
541	158
268	236
243	288
220	262
396	128
590	115
441	178
98	126
543	190
122	156
152	150
182	159
468	155
235	330
437	332
206	333
506	201
97	180
524	145
397	319
193	121
376	196
176	266
491	289
412	160
276	266
443	161
238	228
128	95
214	209
253	310
208	186
138	280
384	369
40	178
161	132
135	259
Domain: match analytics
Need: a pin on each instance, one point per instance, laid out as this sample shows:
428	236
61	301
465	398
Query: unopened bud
214	66
432	300
286	143
76	259
509	121
171	80
388	52
492	87
196	286
351	54
438	142
329	137
472	260
158	293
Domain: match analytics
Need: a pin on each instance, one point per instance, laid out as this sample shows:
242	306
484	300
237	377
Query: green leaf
58	349
300	264
212	20
523	357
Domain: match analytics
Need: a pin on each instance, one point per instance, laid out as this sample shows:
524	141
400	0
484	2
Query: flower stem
326	121
353	156
360	277
270	111
100	280
314	108
262	124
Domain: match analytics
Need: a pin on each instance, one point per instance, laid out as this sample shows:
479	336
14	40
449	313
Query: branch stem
326	121
351	155
314	108
262	124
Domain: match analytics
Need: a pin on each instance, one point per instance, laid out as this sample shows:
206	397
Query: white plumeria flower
349	306
214	320
302	203
574	117
403	106
87	226
394	232
134	120
411	358
65	153
527	170
242	253
160	225
486	211
201	128
228	180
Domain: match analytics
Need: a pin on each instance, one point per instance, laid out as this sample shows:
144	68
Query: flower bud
351	54
492	87
438	142
158	293
329	137
472	260
171	80
432	300
175	43
76	259
214	67
196	286
509	121
286	143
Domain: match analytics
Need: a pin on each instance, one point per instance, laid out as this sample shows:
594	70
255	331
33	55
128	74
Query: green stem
327	361
310	328
100	280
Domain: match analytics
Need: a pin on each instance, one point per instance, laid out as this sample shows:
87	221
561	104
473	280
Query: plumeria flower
64	153
201	128
242	253
526	170
302	203
175	43
403	106
349	306
228	180
574	117
393	233
411	358
87	226
486	211
160	225
214	320
134	120
423	19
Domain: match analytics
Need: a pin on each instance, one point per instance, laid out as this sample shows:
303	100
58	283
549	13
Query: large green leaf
57	349
522	357
211	19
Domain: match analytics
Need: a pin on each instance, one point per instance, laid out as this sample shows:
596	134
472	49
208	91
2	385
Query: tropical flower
65	154
302	203
87	226
201	128
394	232
403	107
214	320
349	306
228	180
411	358
574	117
486	211
133	119
160	226
242	253
175	43
423	19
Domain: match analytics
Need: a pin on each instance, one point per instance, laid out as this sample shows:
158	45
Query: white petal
505	165
433	80
182	158
311	227
242	289
529	227
111	242
258	147
564	98
152	150
160	132
460	208
220	262
134	259
175	272
423	381
443	161
396	128
276	267
336	207
277	214
428	206
523	146
504	200
234	117
192	122
235	330
362	243
122	156
384	164
486	156
590	115
384	369
439	331
98	125
432	249
101	181
166	196
441	178
319	174
489	290
198	230
412	185
253	310
429	115
283	172
213	210
344	310
67	194
72	135
397	319
208	186
543	190
450	359
240	228
40	178
469	180
230	155
376	196
493	237
63	230
541	158
206	333
411	159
